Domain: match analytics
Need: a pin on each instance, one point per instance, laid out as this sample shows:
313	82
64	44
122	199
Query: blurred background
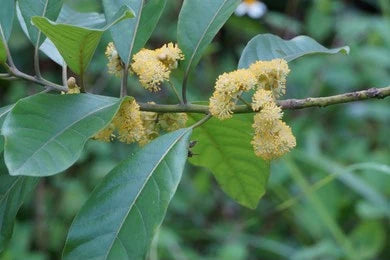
327	197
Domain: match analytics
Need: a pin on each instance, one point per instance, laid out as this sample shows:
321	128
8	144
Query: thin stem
125	73
184	87
176	93
5	44
64	74
36	58
18	74
202	121
289	104
82	83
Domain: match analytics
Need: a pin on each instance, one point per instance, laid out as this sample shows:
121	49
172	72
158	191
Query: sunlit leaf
224	148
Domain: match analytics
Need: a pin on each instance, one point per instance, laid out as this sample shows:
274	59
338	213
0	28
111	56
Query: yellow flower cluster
227	88
115	64
72	87
153	67
273	137
133	125
271	75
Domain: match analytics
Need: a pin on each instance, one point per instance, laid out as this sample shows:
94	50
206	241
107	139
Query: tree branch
288	104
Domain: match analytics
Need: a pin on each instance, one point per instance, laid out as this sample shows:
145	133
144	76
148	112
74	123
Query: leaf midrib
60	133
141	189
202	37
135	31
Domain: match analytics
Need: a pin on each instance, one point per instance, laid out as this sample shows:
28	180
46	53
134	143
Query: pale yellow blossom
271	75
115	64
172	121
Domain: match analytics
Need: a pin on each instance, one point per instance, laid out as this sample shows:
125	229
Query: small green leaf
120	218
224	148
268	47
199	21
45	8
7	12
13	192
77	44
45	134
131	35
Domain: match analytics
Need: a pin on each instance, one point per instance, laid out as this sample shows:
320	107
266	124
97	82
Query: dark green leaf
131	35
199	22
7	12
224	148
45	134
123	213
3	113
45	8
268	47
3	53
77	44
13	192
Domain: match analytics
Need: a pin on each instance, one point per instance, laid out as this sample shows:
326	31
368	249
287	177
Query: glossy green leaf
268	47
13	192
45	8
224	148
7	12
199	22
67	16
120	218
77	44
45	134
131	35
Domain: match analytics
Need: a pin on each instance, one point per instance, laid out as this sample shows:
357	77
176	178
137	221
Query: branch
288	104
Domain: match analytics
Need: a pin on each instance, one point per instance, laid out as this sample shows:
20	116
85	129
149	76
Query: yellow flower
271	75
227	89
106	135
128	122
172	121
153	67
275	142
261	98
149	121
115	65
170	54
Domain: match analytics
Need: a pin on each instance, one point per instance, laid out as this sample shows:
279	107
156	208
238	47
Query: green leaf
268	47
3	114
131	35
45	8
120	218
199	21
13	192
7	12
77	44
3	53
45	134
224	148
67	16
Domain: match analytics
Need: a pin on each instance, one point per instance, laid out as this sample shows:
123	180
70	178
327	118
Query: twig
64	74
288	104
124	82
176	93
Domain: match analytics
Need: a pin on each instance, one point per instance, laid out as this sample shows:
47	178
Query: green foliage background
344	147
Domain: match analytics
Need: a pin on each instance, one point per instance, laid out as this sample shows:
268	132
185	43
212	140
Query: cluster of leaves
45	134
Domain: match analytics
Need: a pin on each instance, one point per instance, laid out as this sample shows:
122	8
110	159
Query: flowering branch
288	104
